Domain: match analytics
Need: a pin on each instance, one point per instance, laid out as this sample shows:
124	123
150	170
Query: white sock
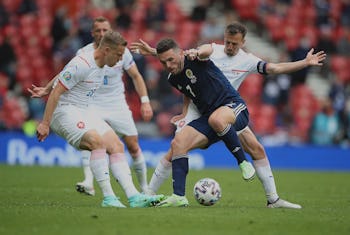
263	171
99	168
121	171
139	166
88	176
160	174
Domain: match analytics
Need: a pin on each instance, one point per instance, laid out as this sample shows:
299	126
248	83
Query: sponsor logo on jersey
190	75
81	125
67	76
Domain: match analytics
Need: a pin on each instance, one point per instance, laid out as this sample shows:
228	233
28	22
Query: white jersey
235	68
81	77
111	92
71	119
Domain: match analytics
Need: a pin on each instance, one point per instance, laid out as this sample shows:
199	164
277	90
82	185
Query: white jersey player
110	103
236	65
67	113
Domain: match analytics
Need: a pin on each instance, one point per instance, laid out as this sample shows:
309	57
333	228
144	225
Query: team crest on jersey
67	76
81	125
190	75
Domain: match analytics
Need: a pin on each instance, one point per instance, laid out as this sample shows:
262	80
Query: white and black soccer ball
207	191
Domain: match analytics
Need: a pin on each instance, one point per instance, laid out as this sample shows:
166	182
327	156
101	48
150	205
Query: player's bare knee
216	123
177	146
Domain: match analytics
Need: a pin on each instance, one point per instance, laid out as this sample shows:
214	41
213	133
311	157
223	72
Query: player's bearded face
171	61
233	43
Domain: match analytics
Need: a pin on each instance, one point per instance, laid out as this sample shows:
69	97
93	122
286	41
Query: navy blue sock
230	138
180	170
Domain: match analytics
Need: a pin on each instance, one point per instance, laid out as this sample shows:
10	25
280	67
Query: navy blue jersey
205	85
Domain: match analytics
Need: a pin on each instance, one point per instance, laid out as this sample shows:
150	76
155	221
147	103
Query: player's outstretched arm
141	89
311	59
38	92
202	52
143	48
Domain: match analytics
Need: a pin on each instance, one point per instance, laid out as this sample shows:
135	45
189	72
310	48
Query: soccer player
111	105
236	65
223	112
67	113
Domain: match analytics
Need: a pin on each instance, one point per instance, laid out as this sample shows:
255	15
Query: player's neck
99	58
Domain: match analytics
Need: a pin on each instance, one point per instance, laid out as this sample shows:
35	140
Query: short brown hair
235	28
112	39
165	45
99	19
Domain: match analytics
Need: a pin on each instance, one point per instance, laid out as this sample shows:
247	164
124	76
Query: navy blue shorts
201	124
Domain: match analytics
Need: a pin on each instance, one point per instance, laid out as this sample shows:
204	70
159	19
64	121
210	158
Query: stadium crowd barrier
19	149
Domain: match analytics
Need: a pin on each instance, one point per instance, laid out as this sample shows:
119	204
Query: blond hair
113	39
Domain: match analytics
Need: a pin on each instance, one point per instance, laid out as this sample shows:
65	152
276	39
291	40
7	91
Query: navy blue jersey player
223	112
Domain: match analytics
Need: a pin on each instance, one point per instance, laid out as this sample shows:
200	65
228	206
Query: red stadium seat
264	121
339	63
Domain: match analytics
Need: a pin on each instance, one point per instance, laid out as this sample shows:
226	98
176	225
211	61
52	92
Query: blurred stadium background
309	107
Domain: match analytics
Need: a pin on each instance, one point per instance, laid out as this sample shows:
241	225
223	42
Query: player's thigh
189	138
72	123
121	121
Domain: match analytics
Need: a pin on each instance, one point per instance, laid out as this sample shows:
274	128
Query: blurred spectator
155	15
66	49
212	29
299	53
271	91
27	6
84	26
323	8
60	26
340	96
103	4
325	125
123	3
343	44
326	42
8	60
4	16
199	11
123	20
345	13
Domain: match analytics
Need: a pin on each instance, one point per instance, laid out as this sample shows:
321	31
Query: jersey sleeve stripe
84	60
63	84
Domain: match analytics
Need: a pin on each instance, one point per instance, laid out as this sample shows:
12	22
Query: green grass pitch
42	200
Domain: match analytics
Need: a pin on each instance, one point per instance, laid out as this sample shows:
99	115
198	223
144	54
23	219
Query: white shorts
72	122
119	118
193	114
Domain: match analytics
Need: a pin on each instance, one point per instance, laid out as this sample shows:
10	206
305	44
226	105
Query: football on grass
207	191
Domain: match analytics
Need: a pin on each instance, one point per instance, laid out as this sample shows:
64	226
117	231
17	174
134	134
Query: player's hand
177	118
42	131
191	54
141	47
146	111
37	92
315	59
